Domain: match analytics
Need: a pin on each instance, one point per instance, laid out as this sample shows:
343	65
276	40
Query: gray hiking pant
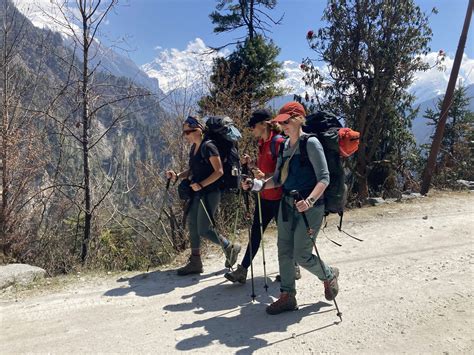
198	222
295	245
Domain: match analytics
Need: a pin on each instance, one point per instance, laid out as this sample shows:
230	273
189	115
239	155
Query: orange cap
288	110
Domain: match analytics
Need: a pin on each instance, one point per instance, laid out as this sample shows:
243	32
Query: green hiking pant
295	245
198	222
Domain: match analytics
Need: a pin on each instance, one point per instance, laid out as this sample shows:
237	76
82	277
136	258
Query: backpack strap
304	159
273	146
202	147
280	154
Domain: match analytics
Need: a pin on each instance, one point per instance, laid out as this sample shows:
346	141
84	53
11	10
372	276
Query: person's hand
245	159
170	174
196	186
302	206
259	174
247	184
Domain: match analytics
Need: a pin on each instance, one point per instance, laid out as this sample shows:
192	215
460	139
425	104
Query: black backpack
222	131
325	126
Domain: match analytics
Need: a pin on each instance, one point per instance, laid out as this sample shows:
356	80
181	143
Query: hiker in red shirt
269	142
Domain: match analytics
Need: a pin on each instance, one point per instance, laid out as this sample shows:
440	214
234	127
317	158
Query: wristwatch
311	201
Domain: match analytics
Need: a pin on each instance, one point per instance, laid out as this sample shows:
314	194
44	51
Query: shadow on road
158	282
242	321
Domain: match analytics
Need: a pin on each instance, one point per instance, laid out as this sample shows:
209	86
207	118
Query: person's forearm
318	191
216	175
184	174
270	183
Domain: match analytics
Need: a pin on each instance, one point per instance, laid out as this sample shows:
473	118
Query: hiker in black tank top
205	170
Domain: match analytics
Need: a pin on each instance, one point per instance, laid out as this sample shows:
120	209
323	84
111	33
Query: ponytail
275	127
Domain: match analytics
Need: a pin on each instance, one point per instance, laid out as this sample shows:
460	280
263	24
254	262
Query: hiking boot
286	302
297	274
239	275
331	288
231	253
194	266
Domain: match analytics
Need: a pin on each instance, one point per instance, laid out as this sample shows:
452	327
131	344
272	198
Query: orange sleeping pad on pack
348	142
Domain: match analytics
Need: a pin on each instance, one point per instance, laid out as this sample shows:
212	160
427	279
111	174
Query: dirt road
407	288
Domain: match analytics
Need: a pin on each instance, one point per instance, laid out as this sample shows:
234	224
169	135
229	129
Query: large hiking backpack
222	131
337	142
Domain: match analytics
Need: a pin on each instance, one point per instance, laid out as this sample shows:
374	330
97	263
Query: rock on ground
19	274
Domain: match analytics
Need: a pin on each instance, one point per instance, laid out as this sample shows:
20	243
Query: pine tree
231	15
456	156
249	76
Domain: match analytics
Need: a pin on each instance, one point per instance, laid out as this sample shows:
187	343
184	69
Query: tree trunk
85	143
4	152
361	172
251	17
361	162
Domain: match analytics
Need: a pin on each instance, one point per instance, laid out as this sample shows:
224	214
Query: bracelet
199	184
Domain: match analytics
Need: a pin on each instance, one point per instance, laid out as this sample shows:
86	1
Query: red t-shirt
267	164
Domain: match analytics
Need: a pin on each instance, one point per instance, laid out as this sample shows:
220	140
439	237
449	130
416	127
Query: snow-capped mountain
46	14
176	68
420	128
184	74
433	82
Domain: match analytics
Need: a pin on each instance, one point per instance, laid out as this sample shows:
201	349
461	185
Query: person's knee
303	257
203	230
285	251
256	232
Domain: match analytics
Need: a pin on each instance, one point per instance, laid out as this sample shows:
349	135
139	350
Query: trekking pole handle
297	197
168	181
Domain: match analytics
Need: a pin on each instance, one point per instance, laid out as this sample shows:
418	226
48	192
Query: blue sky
147	24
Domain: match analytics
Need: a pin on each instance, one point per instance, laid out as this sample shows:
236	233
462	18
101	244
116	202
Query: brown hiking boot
331	287
239	275
194	266
297	274
231	253
286	302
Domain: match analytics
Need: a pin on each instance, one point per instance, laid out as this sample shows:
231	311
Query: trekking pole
261	238
297	197
245	172
249	227
213	225
165	198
